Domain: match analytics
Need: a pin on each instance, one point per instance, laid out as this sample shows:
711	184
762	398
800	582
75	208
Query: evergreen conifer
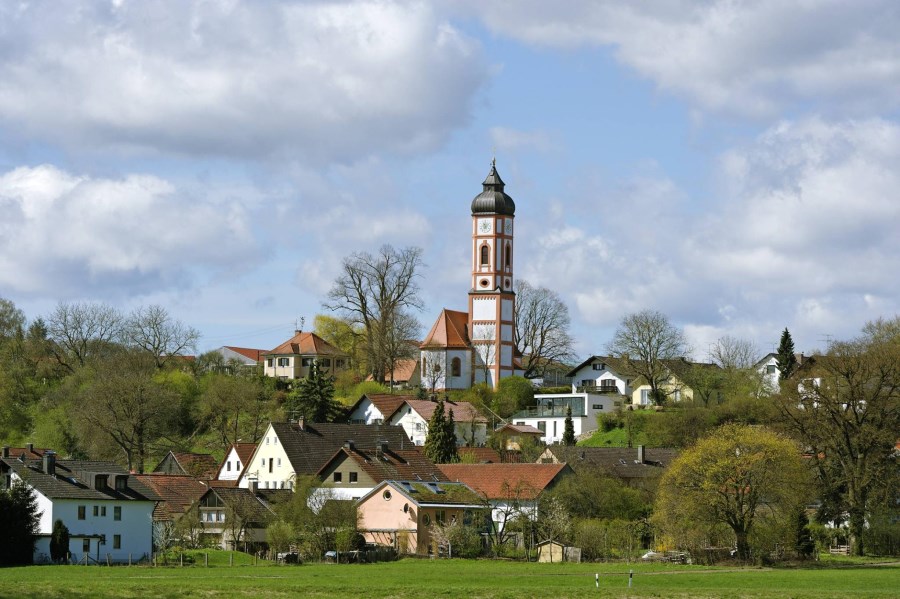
569	429
787	361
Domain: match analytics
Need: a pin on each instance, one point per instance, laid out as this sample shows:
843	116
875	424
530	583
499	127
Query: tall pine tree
787	361
440	443
313	400
19	519
569	429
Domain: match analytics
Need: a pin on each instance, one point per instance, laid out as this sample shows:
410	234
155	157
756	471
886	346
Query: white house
376	408
235	461
413	415
288	450
109	513
550	412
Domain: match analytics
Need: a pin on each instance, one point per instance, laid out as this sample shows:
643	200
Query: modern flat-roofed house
400	514
109	513
293	359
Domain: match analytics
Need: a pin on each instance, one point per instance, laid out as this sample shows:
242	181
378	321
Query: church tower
491	299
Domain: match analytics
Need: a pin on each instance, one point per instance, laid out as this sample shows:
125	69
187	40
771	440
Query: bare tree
373	291
645	339
484	345
398	340
433	368
126	405
732	353
542	328
82	331
152	330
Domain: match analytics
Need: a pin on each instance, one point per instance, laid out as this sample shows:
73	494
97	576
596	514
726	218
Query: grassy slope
453	578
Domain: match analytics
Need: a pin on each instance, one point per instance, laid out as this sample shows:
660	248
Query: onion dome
493	200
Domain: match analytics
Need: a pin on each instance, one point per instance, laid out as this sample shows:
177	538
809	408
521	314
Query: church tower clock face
485	226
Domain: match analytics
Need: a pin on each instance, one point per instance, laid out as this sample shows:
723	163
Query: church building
465	348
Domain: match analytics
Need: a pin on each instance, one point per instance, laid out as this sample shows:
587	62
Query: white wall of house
553	423
416	427
600	375
269	465
233	466
367	413
132	523
445	378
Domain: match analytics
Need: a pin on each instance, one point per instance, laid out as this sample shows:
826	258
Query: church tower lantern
491	299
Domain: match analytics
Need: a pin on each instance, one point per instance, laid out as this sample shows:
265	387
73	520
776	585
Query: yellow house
293	359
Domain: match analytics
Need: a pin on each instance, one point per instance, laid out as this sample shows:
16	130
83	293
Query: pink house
400	514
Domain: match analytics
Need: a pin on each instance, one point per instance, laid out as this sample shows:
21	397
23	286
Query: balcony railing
599	389
546	412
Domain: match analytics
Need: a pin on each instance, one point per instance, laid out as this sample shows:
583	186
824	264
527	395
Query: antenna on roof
298	324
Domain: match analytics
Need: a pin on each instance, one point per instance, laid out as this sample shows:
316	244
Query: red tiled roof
463	411
177	491
403	371
386	403
449	330
252	354
201	465
481	455
31	453
503	481
306	344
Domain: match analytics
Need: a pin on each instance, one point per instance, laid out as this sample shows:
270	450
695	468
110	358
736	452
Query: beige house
401	514
293	359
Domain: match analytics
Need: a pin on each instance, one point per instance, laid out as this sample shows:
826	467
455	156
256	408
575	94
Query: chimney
349	444
49	463
30	447
641	454
6	451
300	423
381	449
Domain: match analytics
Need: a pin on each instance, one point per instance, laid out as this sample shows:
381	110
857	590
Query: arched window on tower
456	367
485	255
507	259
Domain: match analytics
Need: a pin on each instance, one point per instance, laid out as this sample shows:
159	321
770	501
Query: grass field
450	578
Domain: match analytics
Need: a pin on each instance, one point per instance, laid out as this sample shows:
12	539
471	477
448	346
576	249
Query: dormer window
100	482
121	483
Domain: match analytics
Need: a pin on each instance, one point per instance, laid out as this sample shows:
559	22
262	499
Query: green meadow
450	578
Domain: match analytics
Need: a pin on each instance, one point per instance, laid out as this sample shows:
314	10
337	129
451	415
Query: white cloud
65	235
317	80
738	57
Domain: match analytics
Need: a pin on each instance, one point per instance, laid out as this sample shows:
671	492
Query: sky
733	165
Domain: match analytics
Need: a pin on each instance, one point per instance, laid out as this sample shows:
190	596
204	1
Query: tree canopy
542	328
738	478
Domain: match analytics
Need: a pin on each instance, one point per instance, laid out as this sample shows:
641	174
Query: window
770	369
121	483
279	462
275	441
456	367
598	406
420	427
100	482
237	465
353	477
597	366
426	519
440	516
96	511
284	361
269	362
267	442
228	466
82	512
554	428
263	462
387	495
542	426
271	464
339	363
86	546
117	541
117	512
485	255
508	260
645	396
326	362
103	511
306	362
220	516
337	477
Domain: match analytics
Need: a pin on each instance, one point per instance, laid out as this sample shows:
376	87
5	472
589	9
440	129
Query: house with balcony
294	358
549	413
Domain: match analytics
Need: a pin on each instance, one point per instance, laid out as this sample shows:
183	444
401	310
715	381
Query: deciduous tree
542	328
845	407
82	331
152	329
373	291
738	477
645	339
